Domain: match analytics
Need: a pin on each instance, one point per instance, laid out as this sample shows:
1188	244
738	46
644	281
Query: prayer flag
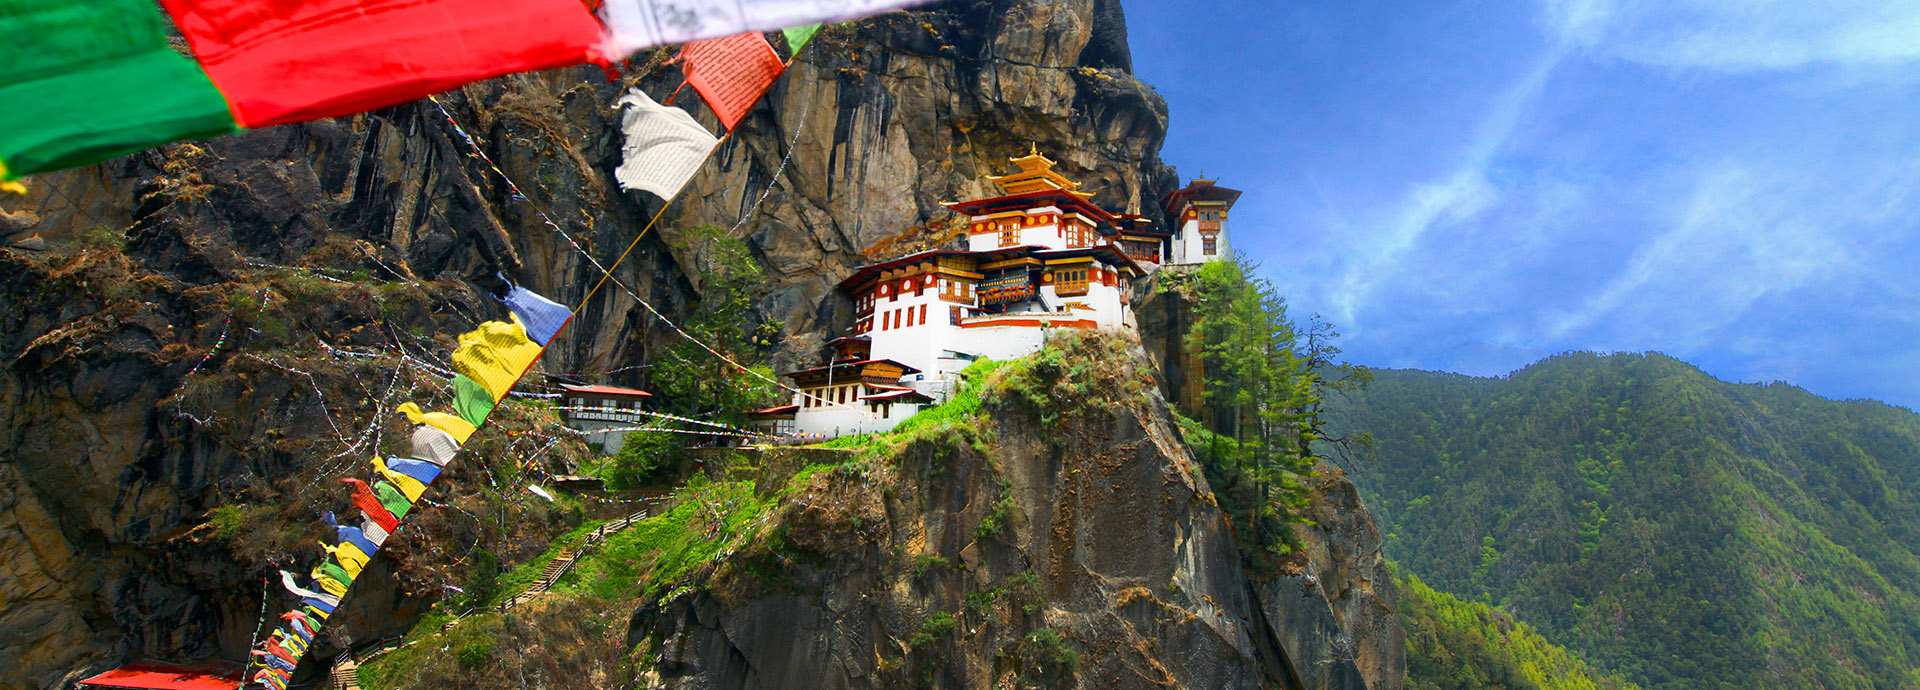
799	36
664	146
359	540
409	487
369	504
351	558
638	24
496	354
88	81
423	472
328	583
374	531
433	445
540	492
456	427
391	497
471	400
542	318
280	62
731	73
286	580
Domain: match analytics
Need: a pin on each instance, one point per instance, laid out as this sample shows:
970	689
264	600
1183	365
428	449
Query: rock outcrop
1069	543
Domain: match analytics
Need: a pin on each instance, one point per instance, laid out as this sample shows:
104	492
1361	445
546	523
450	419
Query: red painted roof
893	395
158	675
607	390
775	411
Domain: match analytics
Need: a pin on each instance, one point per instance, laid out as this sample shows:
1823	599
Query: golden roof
1035	174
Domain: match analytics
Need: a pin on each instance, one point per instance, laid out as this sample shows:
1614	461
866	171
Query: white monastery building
1038	258
602	412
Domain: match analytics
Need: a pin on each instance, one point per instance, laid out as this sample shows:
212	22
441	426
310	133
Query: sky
1474	186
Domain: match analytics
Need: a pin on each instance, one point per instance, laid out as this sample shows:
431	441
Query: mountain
1681	531
1466	645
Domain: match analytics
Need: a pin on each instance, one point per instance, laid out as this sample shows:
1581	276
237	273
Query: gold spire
1035	174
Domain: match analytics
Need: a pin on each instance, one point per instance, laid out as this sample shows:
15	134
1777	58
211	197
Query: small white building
1040	257
601	411
1199	214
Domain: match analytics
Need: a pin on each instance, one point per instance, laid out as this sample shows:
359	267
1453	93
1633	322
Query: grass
524	575
959	413
648	558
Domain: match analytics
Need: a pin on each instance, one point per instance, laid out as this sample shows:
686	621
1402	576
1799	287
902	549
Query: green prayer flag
391	498
333	570
471	400
88	81
798	36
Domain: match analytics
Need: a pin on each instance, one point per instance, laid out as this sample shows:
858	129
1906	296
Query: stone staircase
346	668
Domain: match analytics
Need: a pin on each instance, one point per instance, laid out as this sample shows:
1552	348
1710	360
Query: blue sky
1472	186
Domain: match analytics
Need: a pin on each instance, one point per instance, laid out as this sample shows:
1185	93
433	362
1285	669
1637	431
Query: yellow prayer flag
349	557
495	355
329	585
14	187
408	486
456	427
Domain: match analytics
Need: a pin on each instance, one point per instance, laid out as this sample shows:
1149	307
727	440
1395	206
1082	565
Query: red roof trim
775	411
845	365
909	393
607	390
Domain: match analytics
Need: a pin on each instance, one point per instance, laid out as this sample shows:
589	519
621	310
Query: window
1209	246
1009	234
923	314
953	316
1072	281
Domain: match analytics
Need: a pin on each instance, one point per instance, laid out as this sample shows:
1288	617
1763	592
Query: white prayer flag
286	579
664	146
541	492
373	532
636	24
433	445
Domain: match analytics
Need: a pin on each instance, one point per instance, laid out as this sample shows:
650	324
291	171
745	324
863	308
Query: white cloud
1448	200
1741	35
1739	235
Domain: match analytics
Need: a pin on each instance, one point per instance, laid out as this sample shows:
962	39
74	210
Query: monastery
1039	257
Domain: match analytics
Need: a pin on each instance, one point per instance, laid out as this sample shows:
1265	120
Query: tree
1264	383
691	380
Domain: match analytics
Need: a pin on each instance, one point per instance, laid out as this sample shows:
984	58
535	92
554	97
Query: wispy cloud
1742	35
1457	196
1736	238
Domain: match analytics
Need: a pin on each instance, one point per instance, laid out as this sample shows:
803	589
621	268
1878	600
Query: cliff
201	338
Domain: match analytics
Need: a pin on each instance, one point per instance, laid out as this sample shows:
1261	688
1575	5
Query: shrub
936	628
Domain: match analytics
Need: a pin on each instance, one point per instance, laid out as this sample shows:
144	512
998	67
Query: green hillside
1464	645
1678	530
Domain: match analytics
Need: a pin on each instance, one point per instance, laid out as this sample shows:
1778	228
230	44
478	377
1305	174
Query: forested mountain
1679	530
1467	645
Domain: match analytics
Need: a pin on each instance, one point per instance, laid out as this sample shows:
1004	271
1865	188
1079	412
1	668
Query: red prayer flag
364	499
731	73
280	61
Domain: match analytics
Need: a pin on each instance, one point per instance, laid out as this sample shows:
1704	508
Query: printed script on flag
731	73
637	24
664	146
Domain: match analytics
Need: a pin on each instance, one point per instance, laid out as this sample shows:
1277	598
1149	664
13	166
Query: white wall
1046	235
834	421
1190	248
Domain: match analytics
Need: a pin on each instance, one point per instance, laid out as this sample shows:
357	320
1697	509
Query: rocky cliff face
1061	538
173	424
